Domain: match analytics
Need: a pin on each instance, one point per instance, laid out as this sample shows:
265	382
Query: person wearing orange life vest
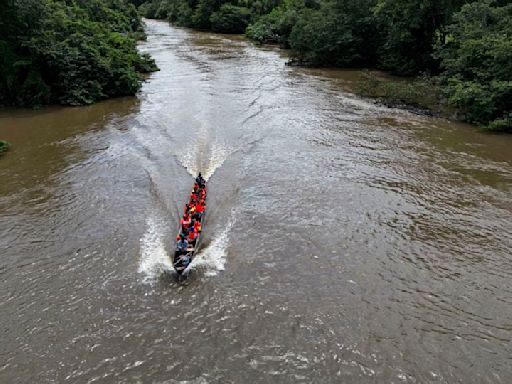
185	222
199	208
197	226
192	236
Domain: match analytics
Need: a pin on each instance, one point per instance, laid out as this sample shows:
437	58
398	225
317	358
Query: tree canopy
477	63
69	52
79	51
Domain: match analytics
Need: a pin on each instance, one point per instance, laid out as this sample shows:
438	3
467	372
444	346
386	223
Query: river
345	242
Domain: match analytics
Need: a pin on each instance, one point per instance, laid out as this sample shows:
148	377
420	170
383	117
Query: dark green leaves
230	19
477	59
69	52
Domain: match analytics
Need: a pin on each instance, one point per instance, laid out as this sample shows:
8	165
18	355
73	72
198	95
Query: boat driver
200	181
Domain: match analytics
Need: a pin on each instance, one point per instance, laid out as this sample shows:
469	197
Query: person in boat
202	196
199	208
182	245
192	236
185	222
197	226
184	260
200	181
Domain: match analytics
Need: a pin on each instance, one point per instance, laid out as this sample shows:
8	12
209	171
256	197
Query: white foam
213	257
191	158
219	154
188	158
154	259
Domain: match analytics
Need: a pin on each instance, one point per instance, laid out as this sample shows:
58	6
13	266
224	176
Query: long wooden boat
182	259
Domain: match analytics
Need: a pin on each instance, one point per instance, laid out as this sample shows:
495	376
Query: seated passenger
197	226
182	244
192	235
184	259
199	207
185	221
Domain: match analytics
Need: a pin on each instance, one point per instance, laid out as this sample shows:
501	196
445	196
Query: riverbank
469	57
70	54
420	95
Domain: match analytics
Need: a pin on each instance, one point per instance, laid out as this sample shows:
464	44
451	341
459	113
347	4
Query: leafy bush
231	16
69	52
408	30
230	19
276	26
338	34
477	60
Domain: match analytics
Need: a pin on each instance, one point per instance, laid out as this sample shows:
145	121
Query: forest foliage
76	52
465	45
69	52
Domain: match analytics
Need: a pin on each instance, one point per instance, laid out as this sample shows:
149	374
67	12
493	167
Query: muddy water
345	242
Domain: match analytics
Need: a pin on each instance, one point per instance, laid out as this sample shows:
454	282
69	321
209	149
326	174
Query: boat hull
182	260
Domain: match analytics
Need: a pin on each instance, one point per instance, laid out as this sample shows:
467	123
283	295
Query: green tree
230	19
276	26
477	63
70	52
340	33
408	31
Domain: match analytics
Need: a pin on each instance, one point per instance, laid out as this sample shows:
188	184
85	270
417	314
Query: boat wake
154	259
194	162
213	258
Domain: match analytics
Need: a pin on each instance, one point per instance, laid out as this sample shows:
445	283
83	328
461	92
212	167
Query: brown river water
345	242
